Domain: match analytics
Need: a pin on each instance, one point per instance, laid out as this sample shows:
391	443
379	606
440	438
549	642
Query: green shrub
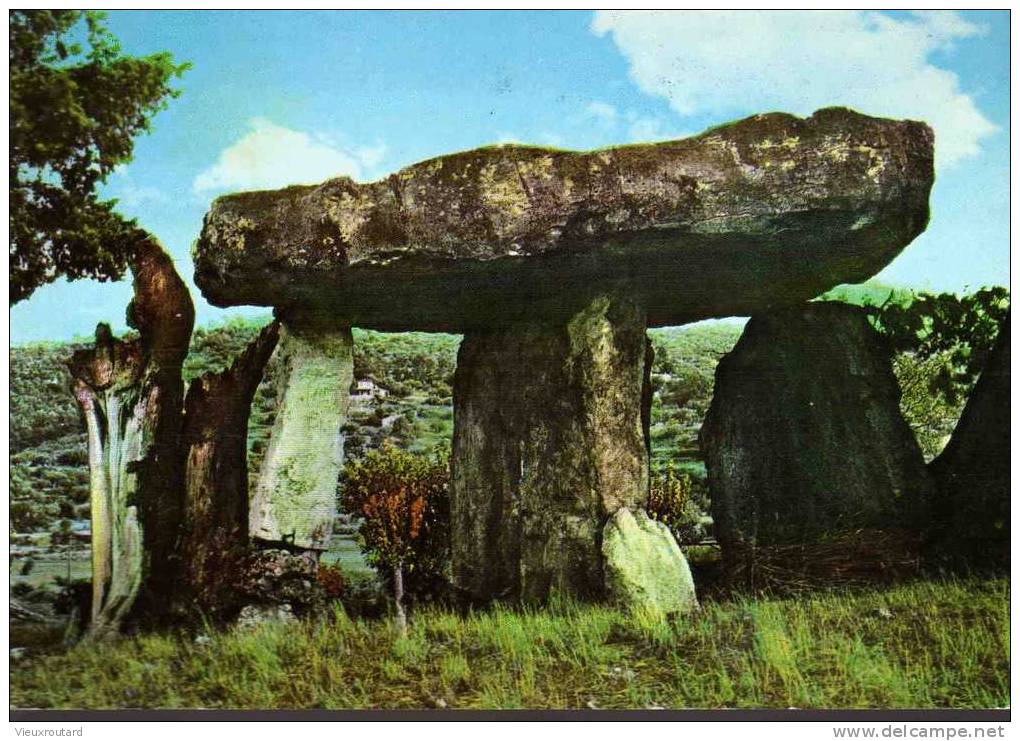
941	343
404	500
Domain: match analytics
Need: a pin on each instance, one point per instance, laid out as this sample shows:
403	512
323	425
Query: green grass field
928	644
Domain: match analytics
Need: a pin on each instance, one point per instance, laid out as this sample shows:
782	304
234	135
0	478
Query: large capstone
746	217
804	438
548	443
295	500
972	474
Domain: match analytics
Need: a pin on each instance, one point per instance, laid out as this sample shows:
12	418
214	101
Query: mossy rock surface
766	211
644	567
804	439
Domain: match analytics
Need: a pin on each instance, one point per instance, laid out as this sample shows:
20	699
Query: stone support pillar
548	444
294	503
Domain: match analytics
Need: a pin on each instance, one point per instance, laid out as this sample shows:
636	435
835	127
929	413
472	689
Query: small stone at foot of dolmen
644	567
252	616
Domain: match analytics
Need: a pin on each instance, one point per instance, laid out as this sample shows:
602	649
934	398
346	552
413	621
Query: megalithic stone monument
553	262
294	503
548	443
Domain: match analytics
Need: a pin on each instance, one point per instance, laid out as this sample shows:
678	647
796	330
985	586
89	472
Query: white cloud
727	63
645	129
602	112
130	194
273	156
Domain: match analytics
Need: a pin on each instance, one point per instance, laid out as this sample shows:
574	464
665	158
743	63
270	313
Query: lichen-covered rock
548	442
295	500
804	437
253	617
972	474
644	566
747	216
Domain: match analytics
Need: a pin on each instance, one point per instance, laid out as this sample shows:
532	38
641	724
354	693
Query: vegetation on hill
49	480
48	471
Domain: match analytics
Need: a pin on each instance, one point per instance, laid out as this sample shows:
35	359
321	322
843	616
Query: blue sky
275	98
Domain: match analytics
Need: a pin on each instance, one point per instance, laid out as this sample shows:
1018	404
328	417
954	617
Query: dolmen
551	264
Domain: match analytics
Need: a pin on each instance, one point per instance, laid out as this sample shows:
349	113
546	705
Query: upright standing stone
972	473
804	437
548	443
295	500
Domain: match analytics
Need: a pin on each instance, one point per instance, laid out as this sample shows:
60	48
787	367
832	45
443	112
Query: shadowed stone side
804	437
644	566
972	473
548	442
295	500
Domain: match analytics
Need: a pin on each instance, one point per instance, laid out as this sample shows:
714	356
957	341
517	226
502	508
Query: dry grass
854	559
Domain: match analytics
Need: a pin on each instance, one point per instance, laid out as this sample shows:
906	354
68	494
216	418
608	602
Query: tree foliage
959	329
76	105
941	344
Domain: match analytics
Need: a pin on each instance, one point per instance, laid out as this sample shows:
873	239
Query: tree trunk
398	598
130	394
216	415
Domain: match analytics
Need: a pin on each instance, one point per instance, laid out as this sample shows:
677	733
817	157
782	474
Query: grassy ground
929	644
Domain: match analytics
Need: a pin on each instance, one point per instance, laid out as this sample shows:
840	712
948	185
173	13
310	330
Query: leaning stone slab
548	442
644	566
295	500
764	212
804	438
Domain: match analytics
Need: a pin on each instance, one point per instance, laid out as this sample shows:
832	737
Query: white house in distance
365	391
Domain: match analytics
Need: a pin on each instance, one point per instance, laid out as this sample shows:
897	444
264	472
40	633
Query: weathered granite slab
748	216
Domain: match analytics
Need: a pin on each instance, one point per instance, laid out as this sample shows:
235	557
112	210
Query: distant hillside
49	477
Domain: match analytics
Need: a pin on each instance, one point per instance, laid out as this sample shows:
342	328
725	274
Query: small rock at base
252	616
644	567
